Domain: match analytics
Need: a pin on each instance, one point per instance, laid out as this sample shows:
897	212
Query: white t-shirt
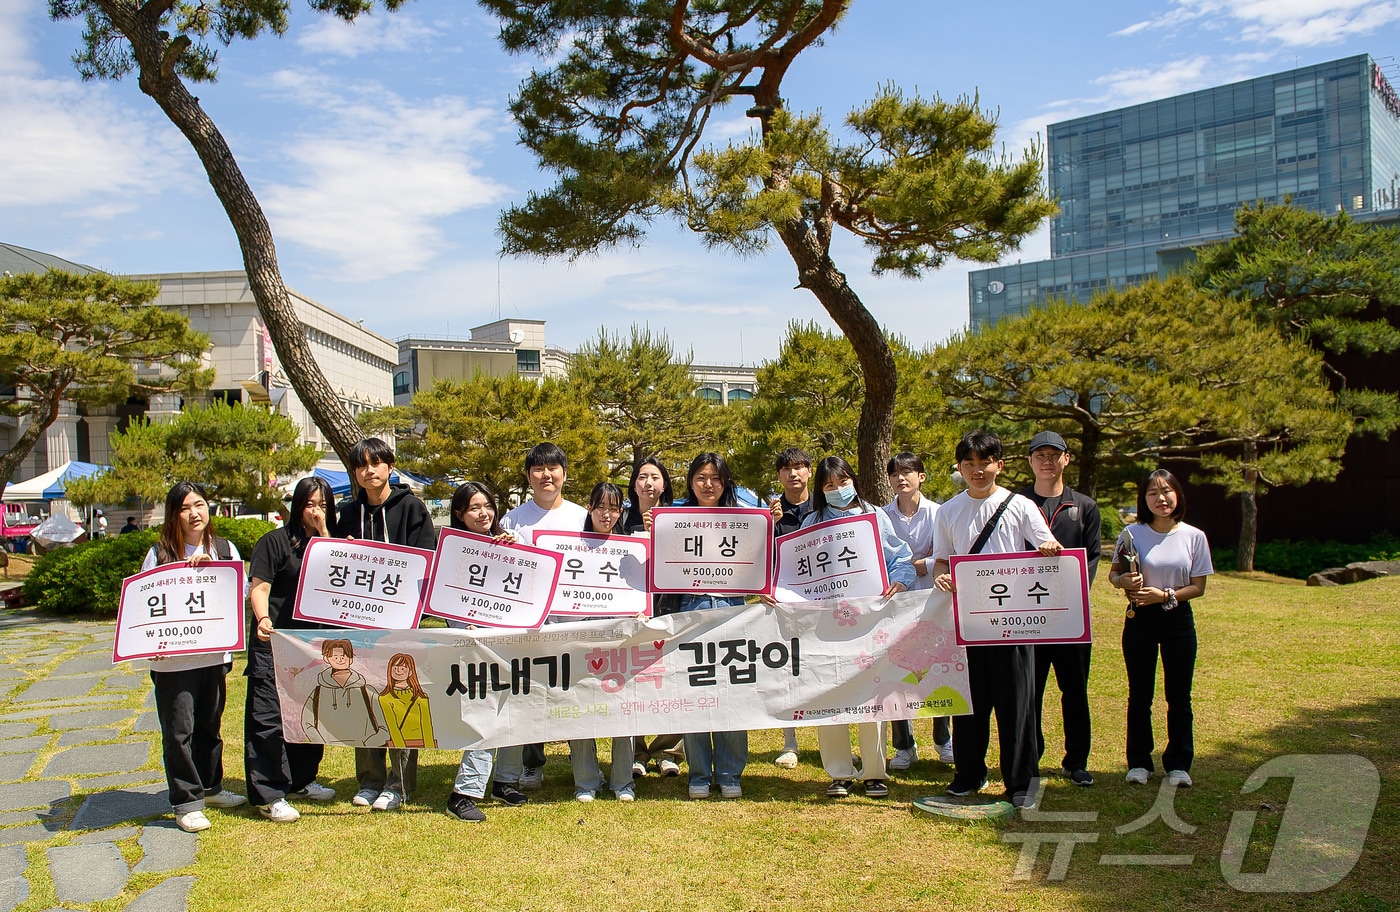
1168	560
959	522
917	532
566	516
202	660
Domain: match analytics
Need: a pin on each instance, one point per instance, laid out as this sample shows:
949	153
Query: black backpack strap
990	526
222	550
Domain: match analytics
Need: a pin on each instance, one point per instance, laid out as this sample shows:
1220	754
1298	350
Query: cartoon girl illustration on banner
405	705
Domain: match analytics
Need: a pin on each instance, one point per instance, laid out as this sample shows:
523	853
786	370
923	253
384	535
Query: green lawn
1283	669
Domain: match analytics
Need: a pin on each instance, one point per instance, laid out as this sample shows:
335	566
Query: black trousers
1001	680
1071	664
190	707
1173	634
274	768
534	756
902	732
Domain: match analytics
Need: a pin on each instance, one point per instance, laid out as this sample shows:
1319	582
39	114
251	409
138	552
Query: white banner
176	609
602	575
841	558
719	550
491	584
724	669
362	584
1021	598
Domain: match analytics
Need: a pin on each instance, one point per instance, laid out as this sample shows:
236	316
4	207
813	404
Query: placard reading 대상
719	550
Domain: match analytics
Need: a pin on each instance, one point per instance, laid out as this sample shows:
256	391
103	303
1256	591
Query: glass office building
1139	186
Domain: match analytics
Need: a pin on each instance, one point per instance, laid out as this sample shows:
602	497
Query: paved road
80	772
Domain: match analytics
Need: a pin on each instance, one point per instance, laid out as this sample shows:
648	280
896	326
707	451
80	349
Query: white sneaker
387	801
945	753
364	797
699	792
584	796
904	758
1179	778
532	779
280	811
639	769
317	792
224	799
787	760
731	791
668	767
192	822
1137	775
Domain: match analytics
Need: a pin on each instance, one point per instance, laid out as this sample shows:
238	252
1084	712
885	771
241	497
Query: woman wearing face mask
836	495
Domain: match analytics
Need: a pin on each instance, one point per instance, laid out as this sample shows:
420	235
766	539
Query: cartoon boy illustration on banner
343	708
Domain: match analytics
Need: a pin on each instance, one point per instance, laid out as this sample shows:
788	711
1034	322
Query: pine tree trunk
40	420
155	60
1249	511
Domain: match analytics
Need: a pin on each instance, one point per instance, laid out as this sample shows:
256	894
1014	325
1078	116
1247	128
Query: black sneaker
504	791
464	808
839	788
876	788
1080	777
1023	800
960	790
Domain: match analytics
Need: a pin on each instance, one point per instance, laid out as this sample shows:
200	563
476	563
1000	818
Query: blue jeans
721	755
474	773
583	756
697	601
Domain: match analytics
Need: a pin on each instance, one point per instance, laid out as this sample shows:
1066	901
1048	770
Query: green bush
243	532
1302	559
87	578
1112	525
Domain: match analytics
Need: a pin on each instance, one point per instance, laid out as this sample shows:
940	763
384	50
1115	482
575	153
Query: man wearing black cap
1074	520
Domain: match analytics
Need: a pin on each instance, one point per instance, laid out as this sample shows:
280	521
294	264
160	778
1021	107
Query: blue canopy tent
52	485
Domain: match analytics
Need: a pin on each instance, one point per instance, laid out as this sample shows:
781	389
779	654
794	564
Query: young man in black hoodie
384	513
1074	521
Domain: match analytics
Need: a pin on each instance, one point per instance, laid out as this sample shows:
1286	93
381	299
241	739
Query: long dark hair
301	495
727	498
1144	512
633	518
170	547
833	468
603	489
462	498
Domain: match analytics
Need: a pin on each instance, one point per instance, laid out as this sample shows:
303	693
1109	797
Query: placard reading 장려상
719	550
364	584
176	609
1021	598
841	558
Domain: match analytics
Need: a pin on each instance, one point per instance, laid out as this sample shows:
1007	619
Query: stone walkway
80	773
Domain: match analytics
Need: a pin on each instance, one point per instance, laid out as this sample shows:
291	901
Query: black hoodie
400	520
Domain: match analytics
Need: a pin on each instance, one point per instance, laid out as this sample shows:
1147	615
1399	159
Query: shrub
86	578
1302	559
1112	524
243	532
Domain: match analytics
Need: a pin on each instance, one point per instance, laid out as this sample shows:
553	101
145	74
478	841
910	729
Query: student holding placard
384	513
474	510
790	508
837	494
717	756
546	471
604	511
191	690
651	487
276	770
1173	561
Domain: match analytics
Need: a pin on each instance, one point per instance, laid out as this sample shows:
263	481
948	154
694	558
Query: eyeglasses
1047	457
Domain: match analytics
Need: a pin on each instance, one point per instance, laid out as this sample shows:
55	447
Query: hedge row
1302	559
87	578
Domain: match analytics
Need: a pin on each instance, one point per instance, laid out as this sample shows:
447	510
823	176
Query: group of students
1160	562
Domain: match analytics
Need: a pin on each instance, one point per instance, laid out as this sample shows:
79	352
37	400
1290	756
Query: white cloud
1294	23
380	173
66	142
368	33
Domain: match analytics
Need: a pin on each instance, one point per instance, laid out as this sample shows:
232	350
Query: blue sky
382	154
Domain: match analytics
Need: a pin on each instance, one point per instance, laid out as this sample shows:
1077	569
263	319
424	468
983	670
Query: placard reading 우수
602	575
491	584
1002	599
720	550
176	609
363	584
841	558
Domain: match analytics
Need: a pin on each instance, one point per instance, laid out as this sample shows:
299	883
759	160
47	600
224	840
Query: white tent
50	485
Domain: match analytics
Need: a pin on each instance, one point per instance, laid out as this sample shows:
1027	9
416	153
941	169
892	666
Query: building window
712	396
402	383
527	360
739	395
